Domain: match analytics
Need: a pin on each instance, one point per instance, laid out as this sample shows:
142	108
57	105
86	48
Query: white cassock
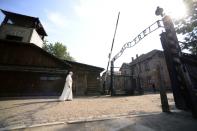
67	92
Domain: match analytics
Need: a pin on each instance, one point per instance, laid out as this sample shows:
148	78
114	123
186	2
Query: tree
57	49
188	27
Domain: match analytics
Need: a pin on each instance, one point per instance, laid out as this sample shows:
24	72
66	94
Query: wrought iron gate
182	79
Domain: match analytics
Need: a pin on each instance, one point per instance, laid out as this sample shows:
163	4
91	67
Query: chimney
136	56
132	59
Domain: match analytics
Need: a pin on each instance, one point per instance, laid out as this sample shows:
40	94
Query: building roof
89	67
125	66
66	63
34	47
145	57
24	20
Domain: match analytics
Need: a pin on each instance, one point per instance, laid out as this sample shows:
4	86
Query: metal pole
113	40
104	84
112	80
139	88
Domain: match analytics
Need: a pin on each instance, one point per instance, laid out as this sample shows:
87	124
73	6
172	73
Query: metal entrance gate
183	82
123	84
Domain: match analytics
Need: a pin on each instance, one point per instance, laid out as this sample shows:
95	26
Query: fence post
112	79
184	93
162	90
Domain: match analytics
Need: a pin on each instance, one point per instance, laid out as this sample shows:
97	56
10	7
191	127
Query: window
15	38
160	55
146	65
10	22
50	78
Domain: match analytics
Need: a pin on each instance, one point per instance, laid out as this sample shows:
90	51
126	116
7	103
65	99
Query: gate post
175	85
111	90
183	89
162	90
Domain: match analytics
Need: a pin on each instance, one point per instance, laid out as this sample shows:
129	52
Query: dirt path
35	111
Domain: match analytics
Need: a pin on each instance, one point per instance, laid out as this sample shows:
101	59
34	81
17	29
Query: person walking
67	91
154	89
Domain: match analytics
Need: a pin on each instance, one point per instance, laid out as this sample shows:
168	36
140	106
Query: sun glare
176	9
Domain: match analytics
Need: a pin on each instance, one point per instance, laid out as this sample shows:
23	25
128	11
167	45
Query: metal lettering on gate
139	37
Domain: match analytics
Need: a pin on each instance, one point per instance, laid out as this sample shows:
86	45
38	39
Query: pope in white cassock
67	92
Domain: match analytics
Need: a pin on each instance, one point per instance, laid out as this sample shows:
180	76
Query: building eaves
85	65
12	15
144	57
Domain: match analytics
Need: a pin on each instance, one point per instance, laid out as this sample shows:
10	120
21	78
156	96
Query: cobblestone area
28	112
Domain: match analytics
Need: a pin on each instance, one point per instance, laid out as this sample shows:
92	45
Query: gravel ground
23	111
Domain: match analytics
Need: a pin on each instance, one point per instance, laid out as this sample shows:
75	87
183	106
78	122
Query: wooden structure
86	79
22	28
27	70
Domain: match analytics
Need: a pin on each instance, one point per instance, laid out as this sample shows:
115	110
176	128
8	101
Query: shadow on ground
27	115
178	121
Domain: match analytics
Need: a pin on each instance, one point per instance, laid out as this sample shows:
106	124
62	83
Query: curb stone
31	126
110	117
82	120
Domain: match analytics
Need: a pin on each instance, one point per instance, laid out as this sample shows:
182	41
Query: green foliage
188	27
57	49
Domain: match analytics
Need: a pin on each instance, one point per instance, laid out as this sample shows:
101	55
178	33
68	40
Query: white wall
35	38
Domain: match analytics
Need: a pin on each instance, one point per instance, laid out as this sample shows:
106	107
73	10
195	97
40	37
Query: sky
87	27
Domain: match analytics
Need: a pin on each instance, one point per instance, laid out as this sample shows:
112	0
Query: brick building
149	68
